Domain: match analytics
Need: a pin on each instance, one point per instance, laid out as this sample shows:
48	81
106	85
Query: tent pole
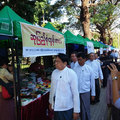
18	79
14	76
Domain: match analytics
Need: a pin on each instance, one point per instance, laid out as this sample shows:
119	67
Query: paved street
99	110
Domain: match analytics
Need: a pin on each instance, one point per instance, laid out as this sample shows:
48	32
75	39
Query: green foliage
104	15
72	9
45	12
95	35
56	25
116	40
23	8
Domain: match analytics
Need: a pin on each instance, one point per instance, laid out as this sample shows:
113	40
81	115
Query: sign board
90	47
6	27
38	41
101	50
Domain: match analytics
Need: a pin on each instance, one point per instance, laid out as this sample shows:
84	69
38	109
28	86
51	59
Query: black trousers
105	75
97	90
63	115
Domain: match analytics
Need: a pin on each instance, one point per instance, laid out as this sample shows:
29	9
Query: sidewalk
99	110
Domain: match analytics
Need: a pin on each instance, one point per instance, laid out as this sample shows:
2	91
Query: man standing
74	60
95	65
64	96
86	83
116	55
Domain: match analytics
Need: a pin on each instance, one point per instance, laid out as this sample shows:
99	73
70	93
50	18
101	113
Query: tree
78	13
102	13
103	16
79	17
85	18
23	8
45	12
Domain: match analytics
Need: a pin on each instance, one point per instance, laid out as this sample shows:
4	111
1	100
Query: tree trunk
110	42
103	36
102	33
85	18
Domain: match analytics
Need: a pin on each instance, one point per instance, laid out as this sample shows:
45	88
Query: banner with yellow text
38	41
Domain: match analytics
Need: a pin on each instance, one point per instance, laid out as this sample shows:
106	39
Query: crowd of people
76	84
83	78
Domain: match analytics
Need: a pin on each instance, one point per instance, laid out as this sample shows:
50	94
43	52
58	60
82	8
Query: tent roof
70	38
49	26
95	43
10	22
105	46
84	39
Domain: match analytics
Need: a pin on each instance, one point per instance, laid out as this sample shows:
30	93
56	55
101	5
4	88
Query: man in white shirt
95	65
64	96
116	55
74	60
86	83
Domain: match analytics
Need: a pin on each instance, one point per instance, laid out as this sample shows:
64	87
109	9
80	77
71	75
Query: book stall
34	98
34	93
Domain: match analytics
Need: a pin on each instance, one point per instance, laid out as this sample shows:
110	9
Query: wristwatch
115	78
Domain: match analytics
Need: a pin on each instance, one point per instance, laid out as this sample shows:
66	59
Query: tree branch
117	2
78	17
96	4
115	27
93	1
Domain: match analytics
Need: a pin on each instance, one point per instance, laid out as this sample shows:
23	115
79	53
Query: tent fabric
95	43
70	38
84	39
49	26
105	46
10	22
98	44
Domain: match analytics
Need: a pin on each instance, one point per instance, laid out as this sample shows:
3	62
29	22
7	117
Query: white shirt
73	64
116	54
95	65
64	86
86	79
112	54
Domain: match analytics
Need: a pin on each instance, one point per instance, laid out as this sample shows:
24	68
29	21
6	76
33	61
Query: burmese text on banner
38	41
